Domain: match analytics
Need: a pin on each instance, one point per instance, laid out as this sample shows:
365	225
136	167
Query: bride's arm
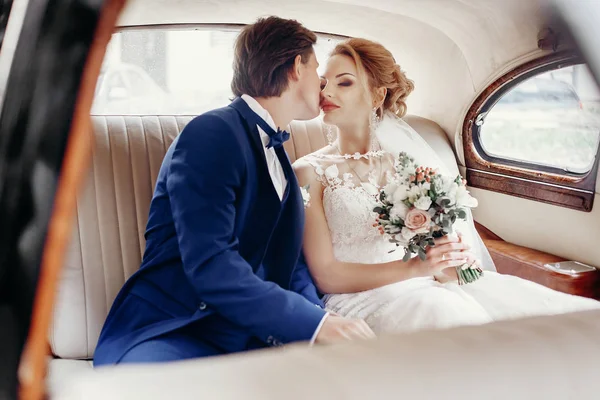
331	275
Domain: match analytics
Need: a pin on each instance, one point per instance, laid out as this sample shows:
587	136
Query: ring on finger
444	257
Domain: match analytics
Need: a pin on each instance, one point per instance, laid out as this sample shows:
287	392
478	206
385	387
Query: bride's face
344	100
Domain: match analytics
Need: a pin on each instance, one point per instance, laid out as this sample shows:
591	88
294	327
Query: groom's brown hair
264	56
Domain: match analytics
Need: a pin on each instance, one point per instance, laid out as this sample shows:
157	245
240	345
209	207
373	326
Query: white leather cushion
554	357
435	136
112	210
62	373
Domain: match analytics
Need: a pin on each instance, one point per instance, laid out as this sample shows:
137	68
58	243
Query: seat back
112	209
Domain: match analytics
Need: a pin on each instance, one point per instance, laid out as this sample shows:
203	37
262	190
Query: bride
363	95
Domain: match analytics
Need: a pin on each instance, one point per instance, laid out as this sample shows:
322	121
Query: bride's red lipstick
327	106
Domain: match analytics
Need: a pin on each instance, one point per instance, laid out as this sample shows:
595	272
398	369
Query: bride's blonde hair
381	70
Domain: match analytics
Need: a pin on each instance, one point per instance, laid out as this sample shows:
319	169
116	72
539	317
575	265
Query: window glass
551	119
172	71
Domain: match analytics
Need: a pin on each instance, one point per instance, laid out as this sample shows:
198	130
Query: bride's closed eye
345	83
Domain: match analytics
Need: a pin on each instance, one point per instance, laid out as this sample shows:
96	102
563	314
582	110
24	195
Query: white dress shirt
275	169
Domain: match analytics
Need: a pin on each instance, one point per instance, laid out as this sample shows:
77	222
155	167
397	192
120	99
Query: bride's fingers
446	239
457	255
447	248
451	264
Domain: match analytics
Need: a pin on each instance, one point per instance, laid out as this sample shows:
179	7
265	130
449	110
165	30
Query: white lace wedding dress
419	303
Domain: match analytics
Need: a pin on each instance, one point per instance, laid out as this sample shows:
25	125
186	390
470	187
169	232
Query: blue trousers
177	345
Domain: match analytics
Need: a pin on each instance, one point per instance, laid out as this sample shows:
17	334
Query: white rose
407	234
390	189
451	193
464	199
423	203
414	193
401	194
398	211
443	183
425	188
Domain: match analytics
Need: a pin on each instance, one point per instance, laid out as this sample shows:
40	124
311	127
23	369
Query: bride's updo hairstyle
377	68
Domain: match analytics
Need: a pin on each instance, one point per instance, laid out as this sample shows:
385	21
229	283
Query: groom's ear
296	71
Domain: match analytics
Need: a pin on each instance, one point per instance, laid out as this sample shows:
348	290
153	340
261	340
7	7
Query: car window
139	85
174	71
551	119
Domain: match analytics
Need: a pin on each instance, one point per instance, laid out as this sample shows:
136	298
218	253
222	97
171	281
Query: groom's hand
337	329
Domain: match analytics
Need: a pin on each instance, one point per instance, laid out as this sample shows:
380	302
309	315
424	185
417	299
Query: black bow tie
276	139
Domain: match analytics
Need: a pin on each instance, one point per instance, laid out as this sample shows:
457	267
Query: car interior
503	96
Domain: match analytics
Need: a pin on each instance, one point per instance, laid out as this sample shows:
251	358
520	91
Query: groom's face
308	89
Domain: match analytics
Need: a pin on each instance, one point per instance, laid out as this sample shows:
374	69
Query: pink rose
417	220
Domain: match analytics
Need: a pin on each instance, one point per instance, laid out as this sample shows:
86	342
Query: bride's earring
374	120
330	135
373	124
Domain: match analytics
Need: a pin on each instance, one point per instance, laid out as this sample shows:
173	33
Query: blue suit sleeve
303	283
206	171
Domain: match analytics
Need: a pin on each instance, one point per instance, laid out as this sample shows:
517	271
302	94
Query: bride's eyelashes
345	83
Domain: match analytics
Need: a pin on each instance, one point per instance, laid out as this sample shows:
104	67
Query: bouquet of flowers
419	205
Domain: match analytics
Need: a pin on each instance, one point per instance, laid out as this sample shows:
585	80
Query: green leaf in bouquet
462	214
407	255
430	242
422	254
438	234
379	210
444	202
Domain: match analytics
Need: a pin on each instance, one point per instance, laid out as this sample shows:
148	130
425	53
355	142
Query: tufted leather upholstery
108	236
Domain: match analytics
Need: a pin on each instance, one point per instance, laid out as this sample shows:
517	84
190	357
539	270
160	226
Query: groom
222	271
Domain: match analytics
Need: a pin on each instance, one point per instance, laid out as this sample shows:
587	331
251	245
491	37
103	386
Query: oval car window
551	119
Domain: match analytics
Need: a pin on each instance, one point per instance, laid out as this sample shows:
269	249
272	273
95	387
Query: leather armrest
527	263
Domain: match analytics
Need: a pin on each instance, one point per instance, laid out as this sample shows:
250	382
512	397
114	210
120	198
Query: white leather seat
108	236
550	358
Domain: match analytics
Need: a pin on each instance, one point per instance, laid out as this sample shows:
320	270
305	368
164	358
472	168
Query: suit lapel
267	193
286	241
249	117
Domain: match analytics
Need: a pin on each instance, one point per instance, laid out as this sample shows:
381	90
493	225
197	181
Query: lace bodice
348	204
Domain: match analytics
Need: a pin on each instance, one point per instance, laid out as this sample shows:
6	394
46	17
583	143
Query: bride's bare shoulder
305	171
306	167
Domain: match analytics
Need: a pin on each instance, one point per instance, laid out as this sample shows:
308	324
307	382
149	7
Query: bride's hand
450	274
448	252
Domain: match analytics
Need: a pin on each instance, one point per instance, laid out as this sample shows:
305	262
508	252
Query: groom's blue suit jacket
223	252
